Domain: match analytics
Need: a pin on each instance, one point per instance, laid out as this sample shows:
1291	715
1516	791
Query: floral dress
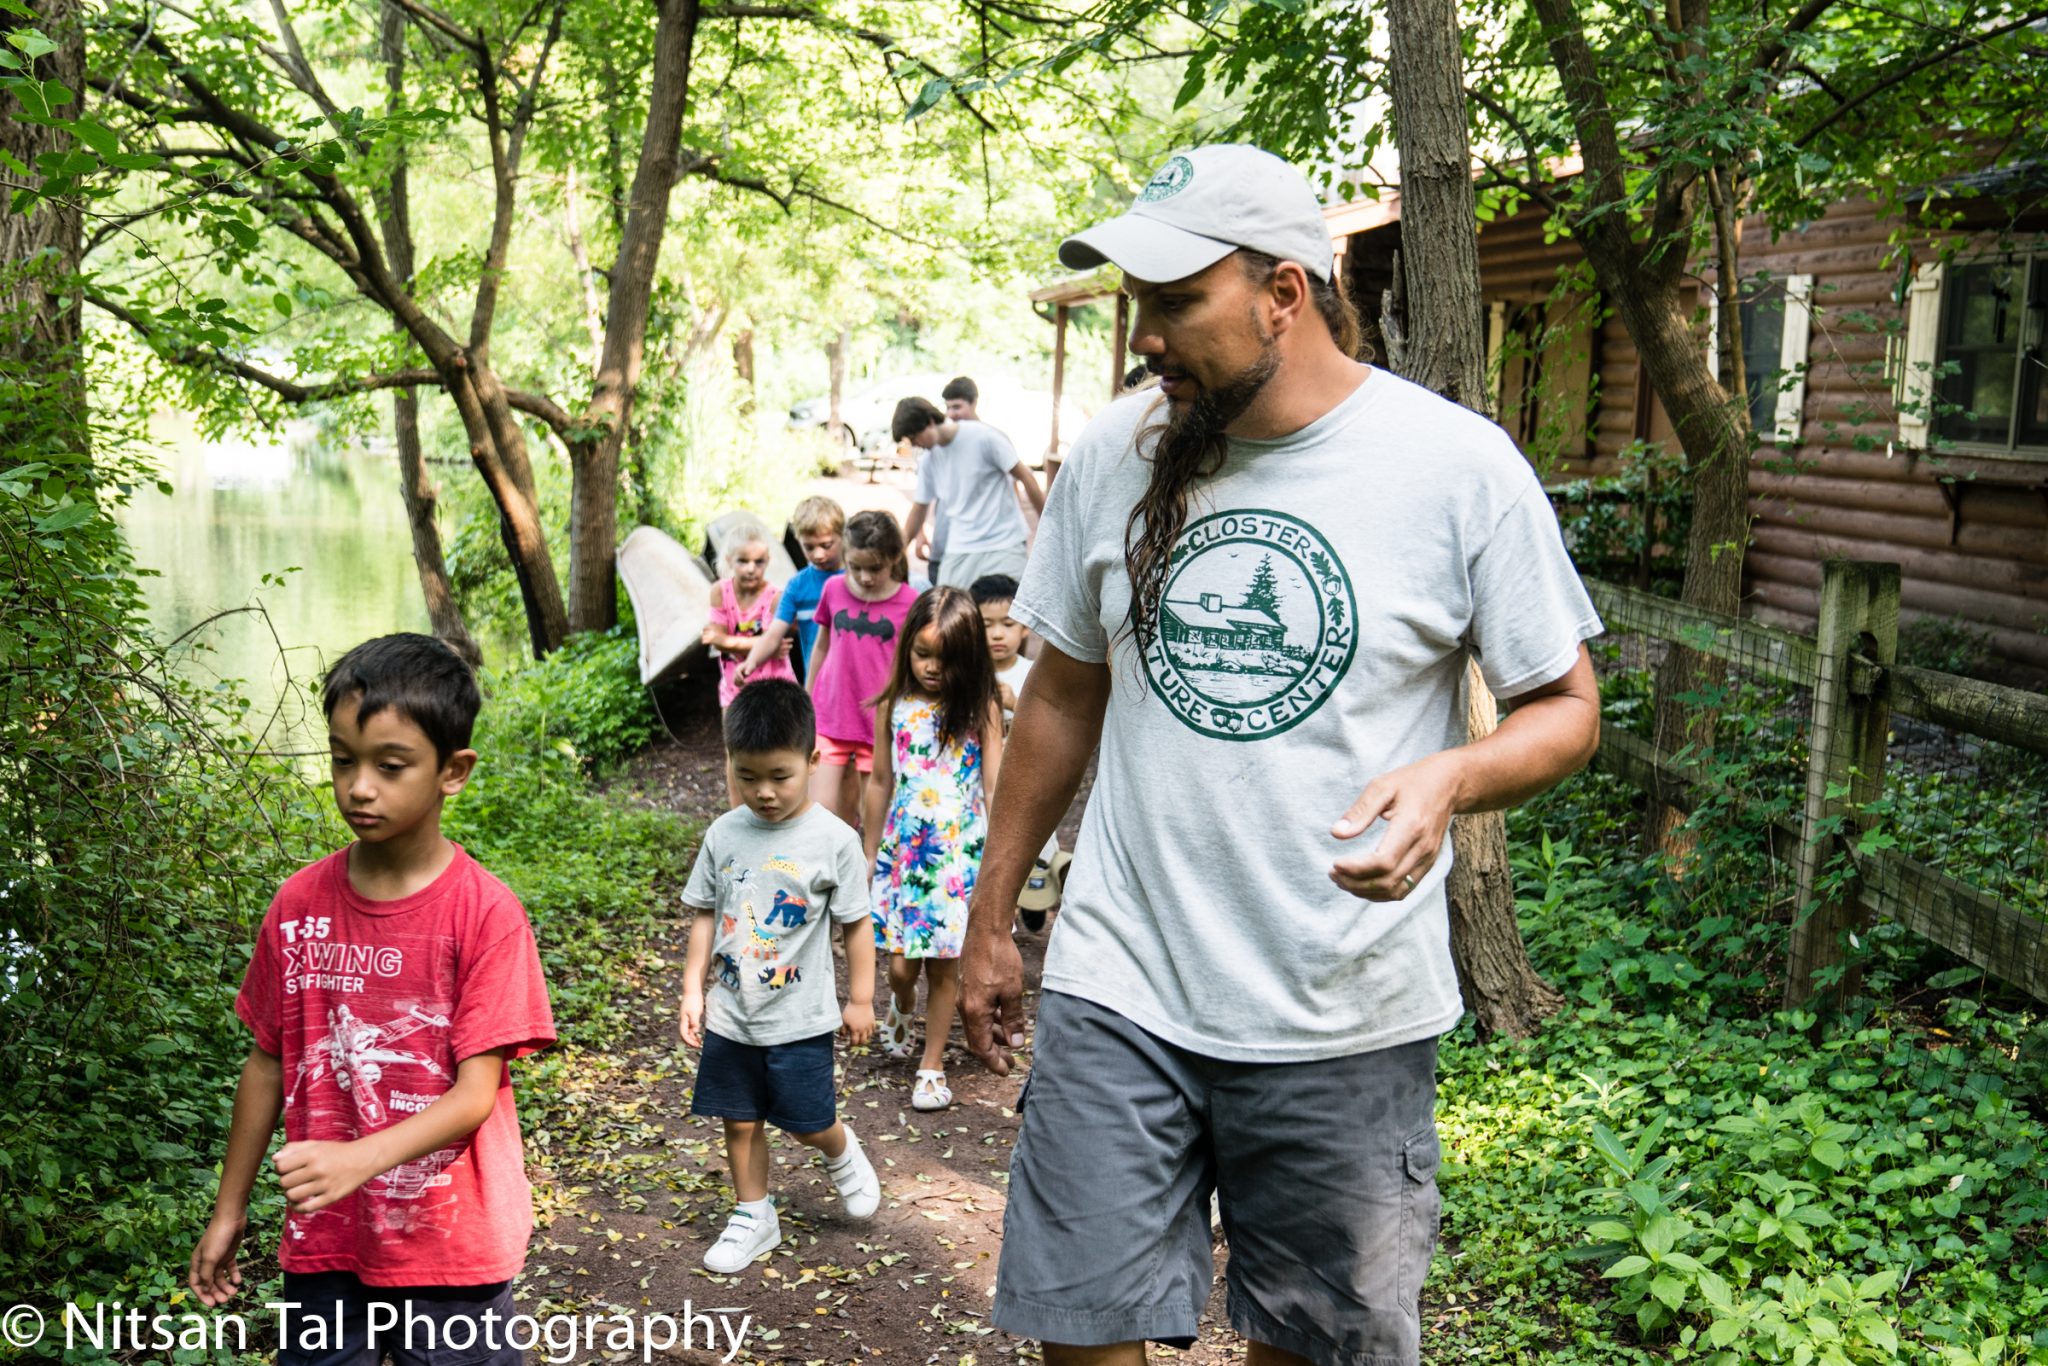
931	841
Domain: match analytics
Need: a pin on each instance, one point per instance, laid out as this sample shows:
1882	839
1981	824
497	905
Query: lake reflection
244	507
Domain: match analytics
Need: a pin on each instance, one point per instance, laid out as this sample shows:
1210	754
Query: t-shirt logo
1257	627
861	624
1169	181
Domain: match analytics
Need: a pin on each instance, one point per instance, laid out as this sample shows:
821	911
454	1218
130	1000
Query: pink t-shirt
862	652
369	1006
748	622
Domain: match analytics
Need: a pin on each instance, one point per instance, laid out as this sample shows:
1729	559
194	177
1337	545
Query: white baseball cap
1202	205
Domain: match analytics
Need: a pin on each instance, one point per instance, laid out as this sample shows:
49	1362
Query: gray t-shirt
1322	600
773	888
969	478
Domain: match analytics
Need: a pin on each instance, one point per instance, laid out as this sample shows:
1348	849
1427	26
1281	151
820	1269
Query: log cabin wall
1969	531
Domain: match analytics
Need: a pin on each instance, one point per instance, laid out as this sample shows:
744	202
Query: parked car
1024	415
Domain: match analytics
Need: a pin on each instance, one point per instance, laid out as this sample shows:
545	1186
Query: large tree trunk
40	250
1445	350
594	487
415	484
1714	434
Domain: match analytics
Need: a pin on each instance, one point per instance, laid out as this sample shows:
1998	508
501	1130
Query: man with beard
1258	588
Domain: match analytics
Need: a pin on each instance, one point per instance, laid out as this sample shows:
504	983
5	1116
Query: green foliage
584	701
1630	526
1673	1170
1950	647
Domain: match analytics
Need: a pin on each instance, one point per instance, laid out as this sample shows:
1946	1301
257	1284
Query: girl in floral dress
938	745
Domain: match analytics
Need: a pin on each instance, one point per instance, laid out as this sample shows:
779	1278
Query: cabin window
1777	327
1990	363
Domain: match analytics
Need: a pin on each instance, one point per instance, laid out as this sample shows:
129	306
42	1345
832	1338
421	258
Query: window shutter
1792	354
1915	380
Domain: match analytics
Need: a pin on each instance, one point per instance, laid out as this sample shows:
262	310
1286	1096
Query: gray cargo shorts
1325	1172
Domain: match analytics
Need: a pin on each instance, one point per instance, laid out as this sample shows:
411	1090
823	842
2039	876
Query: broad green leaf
1627	1266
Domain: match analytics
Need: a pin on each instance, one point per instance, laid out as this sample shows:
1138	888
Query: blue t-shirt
799	606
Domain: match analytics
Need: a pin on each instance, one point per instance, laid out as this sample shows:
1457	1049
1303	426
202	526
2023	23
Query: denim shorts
787	1084
432	1325
1325	1172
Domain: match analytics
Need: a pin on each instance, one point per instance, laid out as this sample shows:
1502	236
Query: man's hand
213	1275
857	1021
992	993
923	548
692	1022
1417	803
316	1174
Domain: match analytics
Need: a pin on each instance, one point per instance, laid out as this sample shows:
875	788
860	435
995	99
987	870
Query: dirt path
638	1189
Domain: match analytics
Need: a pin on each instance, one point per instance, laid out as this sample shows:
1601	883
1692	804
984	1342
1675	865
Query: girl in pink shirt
860	616
742	605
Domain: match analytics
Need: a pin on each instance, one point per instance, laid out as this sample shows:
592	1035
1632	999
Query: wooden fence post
1859	614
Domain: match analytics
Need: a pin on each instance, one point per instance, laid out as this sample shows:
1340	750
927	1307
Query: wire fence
1884	793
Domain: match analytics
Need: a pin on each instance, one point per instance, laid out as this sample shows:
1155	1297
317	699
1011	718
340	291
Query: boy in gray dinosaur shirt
770	876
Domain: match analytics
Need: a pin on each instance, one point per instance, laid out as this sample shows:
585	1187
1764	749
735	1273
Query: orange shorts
841	753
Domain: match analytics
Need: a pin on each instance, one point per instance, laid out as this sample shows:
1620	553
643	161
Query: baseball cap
1202	205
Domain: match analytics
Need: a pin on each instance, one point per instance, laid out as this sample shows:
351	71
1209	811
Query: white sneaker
853	1176
745	1239
931	1091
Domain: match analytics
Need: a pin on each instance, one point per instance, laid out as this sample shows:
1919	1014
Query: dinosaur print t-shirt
1321	602
857	664
774	889
369	1006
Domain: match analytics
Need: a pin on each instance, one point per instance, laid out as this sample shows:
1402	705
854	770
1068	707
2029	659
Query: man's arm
259	1100
914	523
1549	733
1059	721
316	1174
1021	472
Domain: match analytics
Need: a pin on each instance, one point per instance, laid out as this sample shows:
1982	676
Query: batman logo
881	628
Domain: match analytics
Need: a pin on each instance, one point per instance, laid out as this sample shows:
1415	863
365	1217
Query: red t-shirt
370	1005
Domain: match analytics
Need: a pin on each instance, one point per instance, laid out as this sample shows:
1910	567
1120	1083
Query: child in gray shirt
769	878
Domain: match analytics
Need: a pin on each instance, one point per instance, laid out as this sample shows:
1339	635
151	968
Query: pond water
327	519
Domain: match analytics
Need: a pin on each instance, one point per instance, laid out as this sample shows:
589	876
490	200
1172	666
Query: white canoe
671	595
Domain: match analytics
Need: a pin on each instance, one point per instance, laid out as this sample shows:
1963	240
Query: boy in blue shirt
820	526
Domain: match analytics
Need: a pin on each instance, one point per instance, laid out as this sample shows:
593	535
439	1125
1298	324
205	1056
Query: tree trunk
1714	433
415	484
743	366
40	251
835	354
1444	349
594	464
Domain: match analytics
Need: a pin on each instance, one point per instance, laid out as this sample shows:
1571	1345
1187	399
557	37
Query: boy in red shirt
391	984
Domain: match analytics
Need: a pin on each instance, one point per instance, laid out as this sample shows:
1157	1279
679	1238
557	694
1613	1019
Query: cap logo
1172	178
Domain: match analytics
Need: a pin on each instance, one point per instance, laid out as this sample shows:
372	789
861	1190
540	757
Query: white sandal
897	1032
931	1091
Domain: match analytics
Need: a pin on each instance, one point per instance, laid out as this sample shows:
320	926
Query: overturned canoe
671	593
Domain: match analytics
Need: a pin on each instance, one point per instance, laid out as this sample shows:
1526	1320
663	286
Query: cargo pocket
1421	1212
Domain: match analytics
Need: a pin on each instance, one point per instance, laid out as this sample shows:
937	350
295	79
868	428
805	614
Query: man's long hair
1190	446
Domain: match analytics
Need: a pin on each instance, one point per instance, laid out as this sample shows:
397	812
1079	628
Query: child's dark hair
912	416
773	713
875	533
993	588
961	387
419	677
967	683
